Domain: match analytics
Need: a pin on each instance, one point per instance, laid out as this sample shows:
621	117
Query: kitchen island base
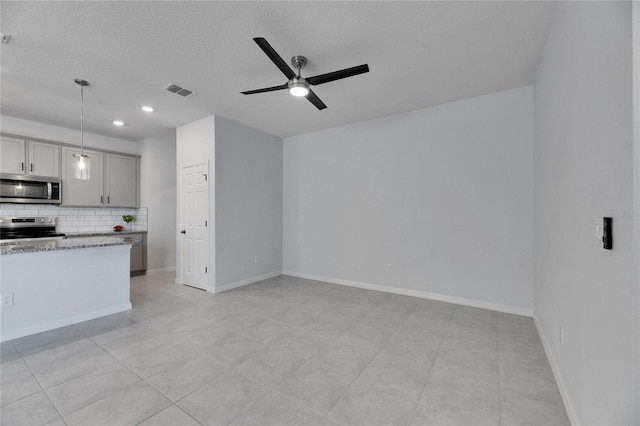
52	289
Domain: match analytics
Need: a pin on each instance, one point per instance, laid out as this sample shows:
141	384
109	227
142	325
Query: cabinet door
12	156
44	159
121	181
136	253
76	192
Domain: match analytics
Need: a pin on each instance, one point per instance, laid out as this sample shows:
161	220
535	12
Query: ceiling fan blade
273	55
266	89
337	75
315	100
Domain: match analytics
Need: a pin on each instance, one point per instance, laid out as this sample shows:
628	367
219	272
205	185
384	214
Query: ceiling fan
298	85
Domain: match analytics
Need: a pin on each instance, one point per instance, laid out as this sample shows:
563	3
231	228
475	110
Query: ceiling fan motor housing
298	61
298	81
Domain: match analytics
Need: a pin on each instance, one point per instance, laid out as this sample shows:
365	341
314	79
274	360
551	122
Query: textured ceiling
420	54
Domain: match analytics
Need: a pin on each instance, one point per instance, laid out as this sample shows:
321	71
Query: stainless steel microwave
29	190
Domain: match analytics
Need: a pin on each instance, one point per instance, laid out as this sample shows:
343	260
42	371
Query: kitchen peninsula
54	283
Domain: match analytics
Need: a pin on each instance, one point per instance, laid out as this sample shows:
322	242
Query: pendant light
82	161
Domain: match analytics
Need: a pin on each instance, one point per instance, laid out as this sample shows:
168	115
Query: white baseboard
415	293
568	405
46	326
251	280
158	270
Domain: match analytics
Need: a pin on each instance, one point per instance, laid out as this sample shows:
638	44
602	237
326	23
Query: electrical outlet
561	335
255	259
390	267
7	299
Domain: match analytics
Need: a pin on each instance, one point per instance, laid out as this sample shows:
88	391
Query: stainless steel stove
19	229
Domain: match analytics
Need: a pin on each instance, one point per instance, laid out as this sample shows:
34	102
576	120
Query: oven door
28	190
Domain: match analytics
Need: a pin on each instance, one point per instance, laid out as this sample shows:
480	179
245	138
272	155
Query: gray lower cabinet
138	253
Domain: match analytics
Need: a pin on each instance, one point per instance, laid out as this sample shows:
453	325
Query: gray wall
248	191
158	193
583	168
443	193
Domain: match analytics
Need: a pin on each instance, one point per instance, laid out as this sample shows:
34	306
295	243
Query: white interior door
194	230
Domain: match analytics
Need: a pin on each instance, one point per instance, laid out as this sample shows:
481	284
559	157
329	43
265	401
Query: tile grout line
415	408
123	365
267	386
368	363
41	387
116	360
200	352
140	378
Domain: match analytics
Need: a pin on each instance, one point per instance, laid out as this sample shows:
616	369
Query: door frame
180	268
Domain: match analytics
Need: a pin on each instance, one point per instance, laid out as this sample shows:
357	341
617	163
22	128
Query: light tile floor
284	351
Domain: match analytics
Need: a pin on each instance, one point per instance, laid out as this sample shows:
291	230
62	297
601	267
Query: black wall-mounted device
607	233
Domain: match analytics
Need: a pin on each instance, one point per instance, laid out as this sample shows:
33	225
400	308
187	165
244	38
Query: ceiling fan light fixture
299	88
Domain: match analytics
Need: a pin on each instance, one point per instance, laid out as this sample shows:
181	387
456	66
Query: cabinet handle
22	166
108	199
101	199
31	166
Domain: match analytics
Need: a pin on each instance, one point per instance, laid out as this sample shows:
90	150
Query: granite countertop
65	244
103	233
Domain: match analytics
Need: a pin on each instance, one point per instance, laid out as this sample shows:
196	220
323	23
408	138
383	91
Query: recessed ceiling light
147	108
118	122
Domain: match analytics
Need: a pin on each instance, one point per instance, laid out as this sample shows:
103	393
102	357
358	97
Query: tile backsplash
80	219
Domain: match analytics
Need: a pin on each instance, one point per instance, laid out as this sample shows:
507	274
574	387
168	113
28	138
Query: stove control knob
41	220
49	220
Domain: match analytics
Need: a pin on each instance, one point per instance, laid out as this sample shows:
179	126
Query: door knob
183	231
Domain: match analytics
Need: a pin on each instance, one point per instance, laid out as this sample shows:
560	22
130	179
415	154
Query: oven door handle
49	191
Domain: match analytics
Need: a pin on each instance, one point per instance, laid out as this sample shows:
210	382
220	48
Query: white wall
67	287
18	126
158	194
249	203
195	143
583	171
443	193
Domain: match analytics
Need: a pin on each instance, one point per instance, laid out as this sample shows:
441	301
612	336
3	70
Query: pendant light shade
82	161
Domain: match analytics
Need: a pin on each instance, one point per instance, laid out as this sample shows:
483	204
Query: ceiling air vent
172	87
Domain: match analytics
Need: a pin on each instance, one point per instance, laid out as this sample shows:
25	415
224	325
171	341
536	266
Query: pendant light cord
81	83
82	120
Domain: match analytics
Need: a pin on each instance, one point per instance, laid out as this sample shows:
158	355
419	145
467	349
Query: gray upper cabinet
12	156
76	192
121	181
25	157
113	180
43	159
